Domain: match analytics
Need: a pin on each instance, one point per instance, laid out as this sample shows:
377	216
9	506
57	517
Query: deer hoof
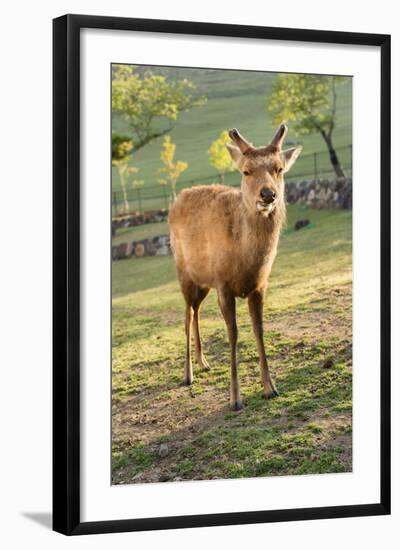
271	394
236	406
202	361
187	382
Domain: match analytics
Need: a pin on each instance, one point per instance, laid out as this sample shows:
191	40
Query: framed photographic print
221	274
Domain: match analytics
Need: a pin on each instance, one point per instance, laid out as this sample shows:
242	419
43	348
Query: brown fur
222	239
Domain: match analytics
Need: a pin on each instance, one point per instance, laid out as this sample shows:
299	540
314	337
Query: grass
235	99
306	430
139	232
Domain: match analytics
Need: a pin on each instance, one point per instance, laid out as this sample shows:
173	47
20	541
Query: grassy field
138	232
235	99
306	430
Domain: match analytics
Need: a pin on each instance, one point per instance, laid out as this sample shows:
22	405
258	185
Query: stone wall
316	194
321	193
156	246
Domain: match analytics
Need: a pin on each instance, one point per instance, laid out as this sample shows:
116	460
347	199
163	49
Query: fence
313	166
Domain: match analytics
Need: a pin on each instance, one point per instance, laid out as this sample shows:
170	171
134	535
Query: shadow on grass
305	430
289	435
227	445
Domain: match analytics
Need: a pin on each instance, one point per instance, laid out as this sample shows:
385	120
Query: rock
164	478
163	450
300	224
311	196
328	363
156	246
139	250
164	240
121	251
151	247
137	477
155	475
129	250
114	252
163	251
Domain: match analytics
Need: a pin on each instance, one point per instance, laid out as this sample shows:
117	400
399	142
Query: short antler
279	136
237	138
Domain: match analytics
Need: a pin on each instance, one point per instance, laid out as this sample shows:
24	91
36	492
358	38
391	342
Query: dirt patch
175	418
327	313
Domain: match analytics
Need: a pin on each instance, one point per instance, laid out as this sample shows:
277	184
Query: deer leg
188	376
255	301
201	294
227	304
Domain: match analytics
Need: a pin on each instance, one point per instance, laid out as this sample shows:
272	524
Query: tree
219	157
148	101
121	149
310	102
171	169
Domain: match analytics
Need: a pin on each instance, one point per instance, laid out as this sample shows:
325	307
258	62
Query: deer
226	239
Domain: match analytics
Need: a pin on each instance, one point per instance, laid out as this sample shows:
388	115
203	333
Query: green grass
306	430
139	232
235	99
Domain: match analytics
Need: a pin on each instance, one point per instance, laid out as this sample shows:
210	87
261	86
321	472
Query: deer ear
234	152
290	156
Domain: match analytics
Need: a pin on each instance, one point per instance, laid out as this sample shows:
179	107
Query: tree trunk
333	156
173	192
123	187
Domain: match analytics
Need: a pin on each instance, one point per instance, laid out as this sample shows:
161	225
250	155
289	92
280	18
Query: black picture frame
66	273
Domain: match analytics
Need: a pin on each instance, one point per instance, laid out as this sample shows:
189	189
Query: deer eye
246	173
279	170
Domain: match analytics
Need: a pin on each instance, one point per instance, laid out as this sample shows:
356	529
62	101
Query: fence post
315	167
115	203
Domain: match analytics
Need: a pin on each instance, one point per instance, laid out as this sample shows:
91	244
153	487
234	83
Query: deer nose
267	195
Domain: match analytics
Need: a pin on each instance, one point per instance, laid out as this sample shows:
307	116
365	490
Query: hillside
235	99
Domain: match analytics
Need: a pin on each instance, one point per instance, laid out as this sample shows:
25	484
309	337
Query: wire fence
315	166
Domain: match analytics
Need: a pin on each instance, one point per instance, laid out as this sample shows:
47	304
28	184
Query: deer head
262	169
